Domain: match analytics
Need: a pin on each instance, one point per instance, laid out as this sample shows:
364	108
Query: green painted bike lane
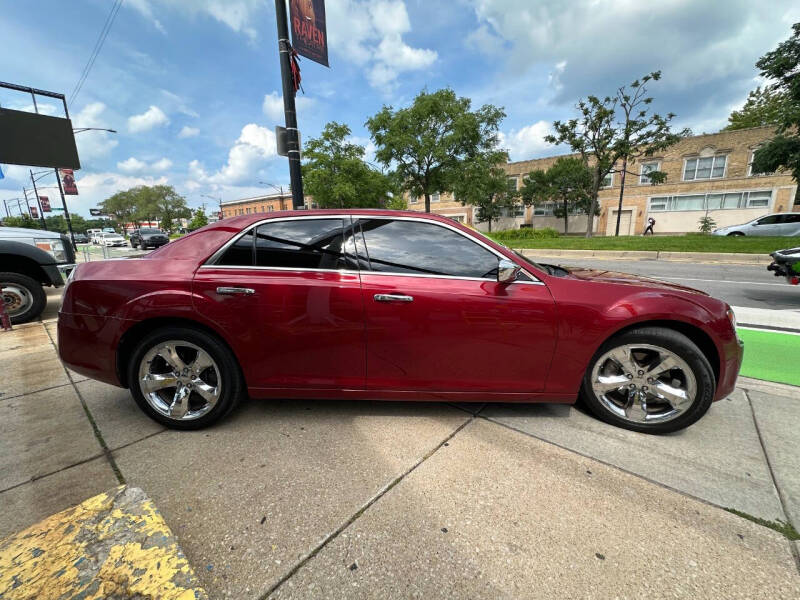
771	355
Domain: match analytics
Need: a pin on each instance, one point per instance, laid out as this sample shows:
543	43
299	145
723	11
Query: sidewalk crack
343	527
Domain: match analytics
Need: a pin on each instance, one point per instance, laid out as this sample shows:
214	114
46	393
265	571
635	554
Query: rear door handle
393	298
234	291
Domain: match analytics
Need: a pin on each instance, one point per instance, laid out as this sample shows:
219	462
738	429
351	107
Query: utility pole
66	212
295	174
38	202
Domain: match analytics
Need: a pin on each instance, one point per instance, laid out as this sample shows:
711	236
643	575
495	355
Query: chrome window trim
210	261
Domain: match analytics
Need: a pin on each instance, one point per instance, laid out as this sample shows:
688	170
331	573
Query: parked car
92	235
30	259
148	238
80	238
109	230
111	239
393	305
778	224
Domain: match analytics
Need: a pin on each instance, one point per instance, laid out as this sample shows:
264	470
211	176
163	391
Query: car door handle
393	298
234	291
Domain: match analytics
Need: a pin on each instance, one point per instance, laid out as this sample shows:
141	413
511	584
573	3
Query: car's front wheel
184	378
649	379
735	234
23	297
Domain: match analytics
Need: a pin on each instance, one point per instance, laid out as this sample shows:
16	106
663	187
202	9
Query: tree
431	142
706	224
23	220
485	185
783	151
199	219
121	206
336	175
568	183
763	107
602	140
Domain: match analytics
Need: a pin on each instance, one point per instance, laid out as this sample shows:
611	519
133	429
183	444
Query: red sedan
389	305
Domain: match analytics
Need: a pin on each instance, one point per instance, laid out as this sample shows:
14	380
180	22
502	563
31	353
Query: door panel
458	335
298	328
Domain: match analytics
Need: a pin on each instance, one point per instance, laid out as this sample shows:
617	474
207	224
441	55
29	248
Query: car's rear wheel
736	234
650	379
184	378
23	297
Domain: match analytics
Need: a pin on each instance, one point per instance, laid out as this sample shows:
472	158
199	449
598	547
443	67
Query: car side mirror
506	271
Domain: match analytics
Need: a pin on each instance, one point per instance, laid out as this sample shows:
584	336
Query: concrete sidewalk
388	499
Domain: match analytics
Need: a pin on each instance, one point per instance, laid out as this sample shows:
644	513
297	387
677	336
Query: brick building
705	172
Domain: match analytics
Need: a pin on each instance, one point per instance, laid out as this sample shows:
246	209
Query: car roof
242	221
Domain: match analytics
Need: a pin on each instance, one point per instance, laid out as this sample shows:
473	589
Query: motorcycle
786	263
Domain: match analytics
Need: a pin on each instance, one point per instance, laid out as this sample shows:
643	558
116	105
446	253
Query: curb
701	257
114	545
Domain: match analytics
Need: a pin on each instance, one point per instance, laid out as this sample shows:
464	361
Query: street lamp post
276	187
217	200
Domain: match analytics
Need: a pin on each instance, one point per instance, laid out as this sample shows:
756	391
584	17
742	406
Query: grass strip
785	529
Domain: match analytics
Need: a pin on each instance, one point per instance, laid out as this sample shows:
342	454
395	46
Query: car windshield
149	231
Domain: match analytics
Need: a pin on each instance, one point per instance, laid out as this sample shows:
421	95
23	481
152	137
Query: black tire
132	244
231	384
736	234
674	342
35	298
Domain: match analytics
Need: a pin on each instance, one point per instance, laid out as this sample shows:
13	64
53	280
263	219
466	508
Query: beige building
704	173
261	204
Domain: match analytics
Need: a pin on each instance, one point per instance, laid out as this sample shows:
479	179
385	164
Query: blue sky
192	86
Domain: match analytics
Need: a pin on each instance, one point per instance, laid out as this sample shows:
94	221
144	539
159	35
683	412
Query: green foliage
613	128
147	203
432	142
781	65
483	184
706	224
22	221
763	107
198	220
526	233
568	183
336	175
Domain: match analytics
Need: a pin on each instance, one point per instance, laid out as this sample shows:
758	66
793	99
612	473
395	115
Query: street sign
45	202
96	212
68	181
34	212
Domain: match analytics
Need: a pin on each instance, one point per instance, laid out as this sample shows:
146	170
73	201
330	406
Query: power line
98	45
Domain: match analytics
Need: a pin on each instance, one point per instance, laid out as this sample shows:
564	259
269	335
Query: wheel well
131	338
700	338
24	266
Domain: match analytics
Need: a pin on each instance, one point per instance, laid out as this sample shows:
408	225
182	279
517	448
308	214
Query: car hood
628	279
153	235
23	232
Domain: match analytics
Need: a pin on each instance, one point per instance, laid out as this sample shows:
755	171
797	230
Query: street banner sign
96	212
68	181
34	212
309	34
45	202
37	140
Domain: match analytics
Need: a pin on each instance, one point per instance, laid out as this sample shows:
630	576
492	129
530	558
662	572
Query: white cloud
527	142
161	165
239	15
250	153
147	12
134	165
188	132
371	33
93	145
152	117
273	105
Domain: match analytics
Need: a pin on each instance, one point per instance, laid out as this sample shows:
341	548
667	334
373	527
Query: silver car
777	224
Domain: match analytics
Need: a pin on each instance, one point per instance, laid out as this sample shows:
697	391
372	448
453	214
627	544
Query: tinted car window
771	220
792	218
301	244
240	253
425	249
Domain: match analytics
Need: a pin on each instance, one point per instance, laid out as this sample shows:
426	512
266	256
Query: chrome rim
17	299
179	380
642	383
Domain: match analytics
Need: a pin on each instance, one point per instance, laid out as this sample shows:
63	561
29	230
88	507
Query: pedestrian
649	229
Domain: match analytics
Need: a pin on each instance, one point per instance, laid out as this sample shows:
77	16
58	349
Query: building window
413	199
544	210
750	167
512	182
519	210
458	218
707	167
608	181
436	197
647	167
715	201
270	208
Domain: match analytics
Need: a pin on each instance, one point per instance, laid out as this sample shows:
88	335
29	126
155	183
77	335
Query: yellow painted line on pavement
115	544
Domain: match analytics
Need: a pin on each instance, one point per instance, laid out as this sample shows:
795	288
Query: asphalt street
738	285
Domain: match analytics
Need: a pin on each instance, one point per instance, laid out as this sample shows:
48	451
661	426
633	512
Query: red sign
68	181
34	212
45	202
309	34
